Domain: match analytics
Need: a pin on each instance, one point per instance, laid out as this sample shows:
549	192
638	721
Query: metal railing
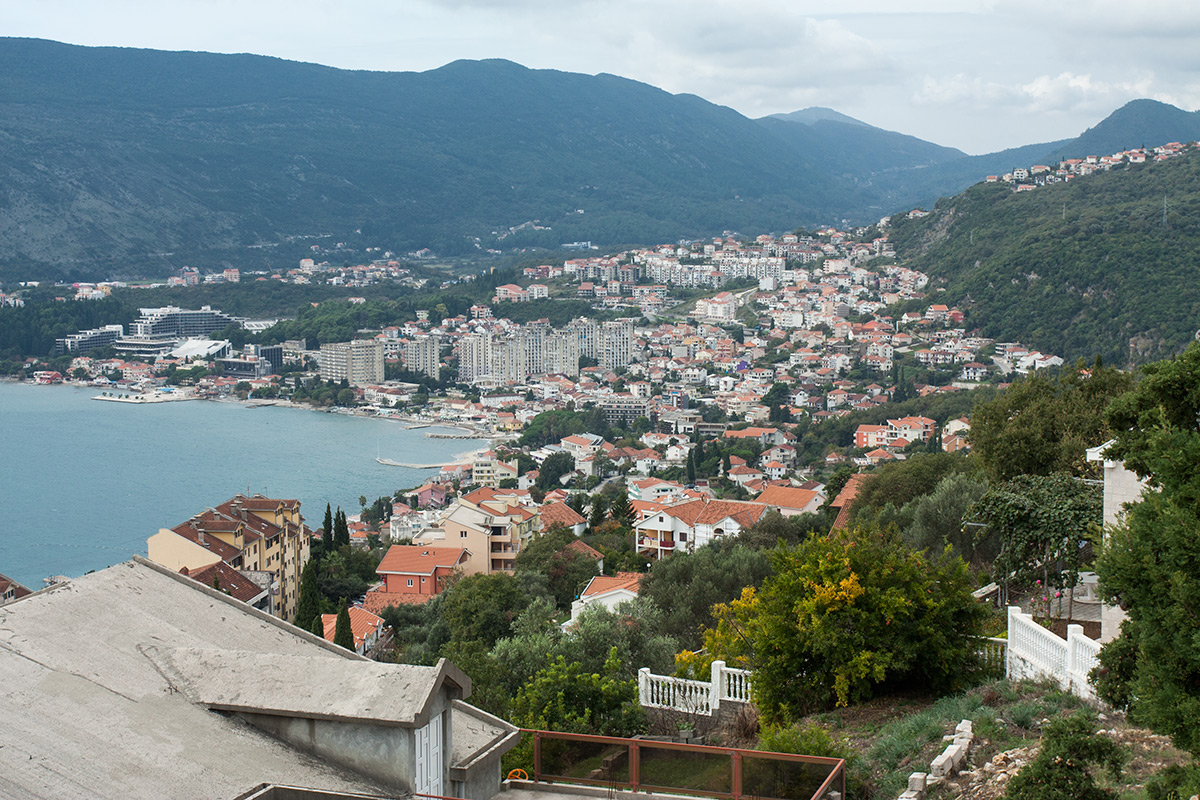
688	769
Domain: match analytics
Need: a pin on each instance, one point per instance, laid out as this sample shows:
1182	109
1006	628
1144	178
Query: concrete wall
383	753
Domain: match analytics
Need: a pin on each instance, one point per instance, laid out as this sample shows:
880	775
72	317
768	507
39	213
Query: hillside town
642	476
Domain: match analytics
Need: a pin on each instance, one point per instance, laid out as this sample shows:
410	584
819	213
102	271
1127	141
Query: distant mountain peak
814	114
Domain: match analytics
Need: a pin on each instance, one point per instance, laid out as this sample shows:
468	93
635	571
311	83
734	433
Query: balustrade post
644	686
1073	633
1014	614
718	667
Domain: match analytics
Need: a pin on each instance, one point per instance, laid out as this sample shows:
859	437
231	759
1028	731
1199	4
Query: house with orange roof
790	501
608	591
413	574
693	523
742	475
845	500
366	627
559	514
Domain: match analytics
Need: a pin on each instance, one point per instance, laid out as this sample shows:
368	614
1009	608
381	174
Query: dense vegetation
1078	269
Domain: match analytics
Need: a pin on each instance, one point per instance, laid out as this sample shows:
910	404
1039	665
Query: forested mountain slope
1084	268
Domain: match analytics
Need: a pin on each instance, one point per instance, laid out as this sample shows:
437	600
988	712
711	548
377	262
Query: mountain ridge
133	162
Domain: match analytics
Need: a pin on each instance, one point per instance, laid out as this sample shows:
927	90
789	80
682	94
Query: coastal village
721	392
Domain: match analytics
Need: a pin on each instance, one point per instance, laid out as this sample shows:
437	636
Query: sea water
83	482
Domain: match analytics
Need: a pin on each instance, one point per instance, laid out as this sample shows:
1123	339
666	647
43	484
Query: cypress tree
318	626
341	529
691	467
327	530
597	517
309	604
343	636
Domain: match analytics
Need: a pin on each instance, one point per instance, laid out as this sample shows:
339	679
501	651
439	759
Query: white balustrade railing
1034	652
733	684
993	653
694	697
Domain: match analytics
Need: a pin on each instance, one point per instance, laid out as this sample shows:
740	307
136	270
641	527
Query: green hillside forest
1107	264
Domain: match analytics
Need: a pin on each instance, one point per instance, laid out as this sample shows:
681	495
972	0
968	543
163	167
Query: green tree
562	697
341	529
691	467
1042	523
620	510
597	514
686	586
327	529
1043	424
343	635
1150	562
482	608
308	606
566	571
317	628
553	468
849	615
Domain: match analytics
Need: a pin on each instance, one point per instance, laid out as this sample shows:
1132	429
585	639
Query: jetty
387	462
471	435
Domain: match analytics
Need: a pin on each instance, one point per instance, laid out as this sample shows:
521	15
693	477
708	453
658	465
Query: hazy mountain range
136	161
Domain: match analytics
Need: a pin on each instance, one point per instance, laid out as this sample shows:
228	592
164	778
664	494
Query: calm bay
83	483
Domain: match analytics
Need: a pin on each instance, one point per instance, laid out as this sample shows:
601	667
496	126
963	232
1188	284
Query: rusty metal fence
688	769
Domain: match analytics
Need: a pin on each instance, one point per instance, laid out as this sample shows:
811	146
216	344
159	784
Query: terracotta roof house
255	533
562	515
11	590
693	523
238	585
845	500
366	627
413	574
791	501
606	590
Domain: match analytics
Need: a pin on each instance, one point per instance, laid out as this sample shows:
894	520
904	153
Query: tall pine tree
327	530
343	635
341	529
309	604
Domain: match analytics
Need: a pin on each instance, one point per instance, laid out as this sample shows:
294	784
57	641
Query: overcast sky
972	74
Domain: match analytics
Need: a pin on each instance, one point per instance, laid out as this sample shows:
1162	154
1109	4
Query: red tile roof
786	497
362	624
608	583
410	559
227	580
560	514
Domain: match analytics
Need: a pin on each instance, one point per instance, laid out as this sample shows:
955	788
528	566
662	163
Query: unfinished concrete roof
299	685
86	713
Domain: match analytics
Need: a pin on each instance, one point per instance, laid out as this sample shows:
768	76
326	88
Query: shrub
1062	769
848	615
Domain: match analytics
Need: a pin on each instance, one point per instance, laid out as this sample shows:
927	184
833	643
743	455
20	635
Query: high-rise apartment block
359	362
422	354
535	349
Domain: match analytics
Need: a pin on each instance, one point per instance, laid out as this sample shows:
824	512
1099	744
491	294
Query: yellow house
253	534
492	531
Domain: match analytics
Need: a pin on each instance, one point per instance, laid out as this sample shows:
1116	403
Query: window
462	534
410	582
422	580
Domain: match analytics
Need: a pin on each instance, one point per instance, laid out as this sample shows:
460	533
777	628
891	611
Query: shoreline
132	396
